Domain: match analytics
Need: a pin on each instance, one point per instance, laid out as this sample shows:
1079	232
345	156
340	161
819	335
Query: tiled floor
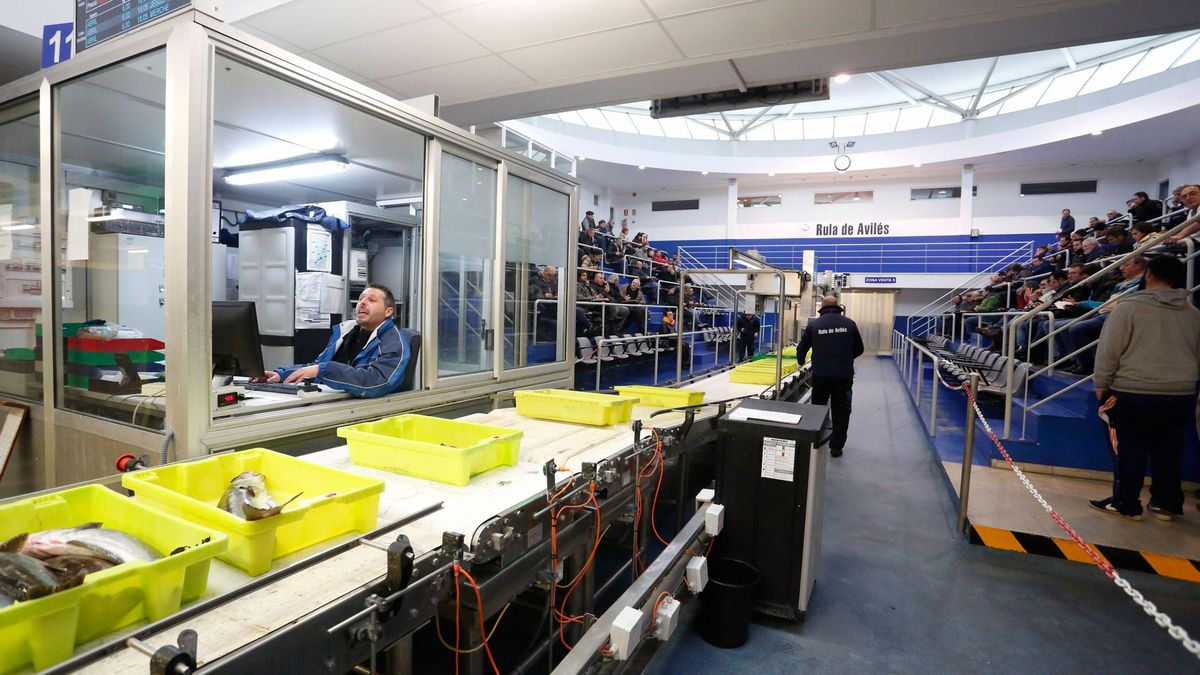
998	499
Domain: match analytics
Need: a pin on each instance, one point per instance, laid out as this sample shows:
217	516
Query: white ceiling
1146	141
493	60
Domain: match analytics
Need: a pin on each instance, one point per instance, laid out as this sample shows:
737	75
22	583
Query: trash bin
726	603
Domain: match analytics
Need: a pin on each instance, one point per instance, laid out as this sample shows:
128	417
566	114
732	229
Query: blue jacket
377	370
834	341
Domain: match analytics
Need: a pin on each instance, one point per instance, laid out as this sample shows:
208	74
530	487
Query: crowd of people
1054	276
619	276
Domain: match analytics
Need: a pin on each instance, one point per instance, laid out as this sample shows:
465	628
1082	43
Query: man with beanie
1147	366
835	343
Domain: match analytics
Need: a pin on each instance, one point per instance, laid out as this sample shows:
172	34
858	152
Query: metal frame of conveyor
508	554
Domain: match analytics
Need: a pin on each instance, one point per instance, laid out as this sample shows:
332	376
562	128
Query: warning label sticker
778	458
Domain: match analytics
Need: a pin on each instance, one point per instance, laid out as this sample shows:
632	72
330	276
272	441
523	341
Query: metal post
933	403
656	360
919	378
599	361
964	481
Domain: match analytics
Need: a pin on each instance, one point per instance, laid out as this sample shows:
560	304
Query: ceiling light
1021	195
771	173
917	165
17	228
641	167
941	192
703	173
138	250
841	78
1097	132
856	197
581	158
299	167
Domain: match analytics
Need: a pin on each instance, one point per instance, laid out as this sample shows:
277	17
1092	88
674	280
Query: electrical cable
458	569
438	629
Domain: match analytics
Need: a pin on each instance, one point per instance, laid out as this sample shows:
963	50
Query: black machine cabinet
771	482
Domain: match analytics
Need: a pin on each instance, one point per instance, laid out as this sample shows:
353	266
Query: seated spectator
615	255
1143	232
1089	249
1038	267
631	294
583	292
544	286
624	234
1086	330
1141	207
1117	241
592	241
659	258
1189	195
604	227
587	262
615	315
1094	222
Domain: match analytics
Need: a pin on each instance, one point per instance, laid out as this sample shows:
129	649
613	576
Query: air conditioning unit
800	91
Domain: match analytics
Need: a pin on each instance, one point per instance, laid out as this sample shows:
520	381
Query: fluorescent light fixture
139	250
17	228
917	165
289	169
771	173
747	264
841	78
581	158
941	192
641	167
703	173
1097	132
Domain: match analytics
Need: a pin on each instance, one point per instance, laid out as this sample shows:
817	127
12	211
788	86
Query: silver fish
88	540
25	578
248	499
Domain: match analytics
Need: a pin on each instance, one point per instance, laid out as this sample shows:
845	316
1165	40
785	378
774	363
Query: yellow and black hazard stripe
1120	558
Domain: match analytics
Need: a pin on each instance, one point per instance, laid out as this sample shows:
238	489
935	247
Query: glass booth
202	206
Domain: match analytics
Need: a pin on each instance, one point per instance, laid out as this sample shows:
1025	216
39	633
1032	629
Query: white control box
705	496
666	619
697	574
626	632
714	519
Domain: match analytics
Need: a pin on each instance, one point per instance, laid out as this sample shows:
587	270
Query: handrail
1141	249
941	302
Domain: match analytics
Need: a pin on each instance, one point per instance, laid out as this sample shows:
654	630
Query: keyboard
281	388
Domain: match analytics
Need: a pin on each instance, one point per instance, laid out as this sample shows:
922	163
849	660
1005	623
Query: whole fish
89	540
69	566
25	578
248	499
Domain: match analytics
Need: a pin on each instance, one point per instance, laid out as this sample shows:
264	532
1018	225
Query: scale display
99	20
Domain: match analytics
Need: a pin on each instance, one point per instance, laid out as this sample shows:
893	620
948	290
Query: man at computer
366	356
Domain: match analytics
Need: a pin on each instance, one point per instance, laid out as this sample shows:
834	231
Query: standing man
588	222
1147	366
747	331
835	343
1067	224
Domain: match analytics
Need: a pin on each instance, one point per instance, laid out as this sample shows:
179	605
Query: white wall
594	197
998	208
1180	169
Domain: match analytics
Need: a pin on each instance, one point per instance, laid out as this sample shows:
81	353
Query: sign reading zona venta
879	280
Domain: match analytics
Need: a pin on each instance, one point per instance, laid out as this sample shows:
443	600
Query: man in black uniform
747	330
835	343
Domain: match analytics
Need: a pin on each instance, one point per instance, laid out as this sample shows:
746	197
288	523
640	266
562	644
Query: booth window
108	238
20	252
313	200
466	261
535	258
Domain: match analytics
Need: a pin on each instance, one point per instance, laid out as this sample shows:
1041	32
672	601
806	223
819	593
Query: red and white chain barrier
1175	631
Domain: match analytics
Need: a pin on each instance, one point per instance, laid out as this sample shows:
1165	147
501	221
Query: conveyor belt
243	620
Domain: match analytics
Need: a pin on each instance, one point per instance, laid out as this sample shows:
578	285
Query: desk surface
256	401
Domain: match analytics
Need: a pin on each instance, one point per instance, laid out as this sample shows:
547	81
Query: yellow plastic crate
331	502
44	631
760	372
580	407
663	397
446	451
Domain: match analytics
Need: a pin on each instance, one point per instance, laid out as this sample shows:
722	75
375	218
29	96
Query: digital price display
100	20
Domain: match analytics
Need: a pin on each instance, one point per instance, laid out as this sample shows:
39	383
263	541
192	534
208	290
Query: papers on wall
319	249
318	294
79	204
6	239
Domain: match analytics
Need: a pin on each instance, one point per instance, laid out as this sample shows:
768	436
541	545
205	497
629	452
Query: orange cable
479	603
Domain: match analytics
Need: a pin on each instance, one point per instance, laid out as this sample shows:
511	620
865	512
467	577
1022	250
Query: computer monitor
236	347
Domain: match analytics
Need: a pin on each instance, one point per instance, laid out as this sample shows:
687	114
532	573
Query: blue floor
898	591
